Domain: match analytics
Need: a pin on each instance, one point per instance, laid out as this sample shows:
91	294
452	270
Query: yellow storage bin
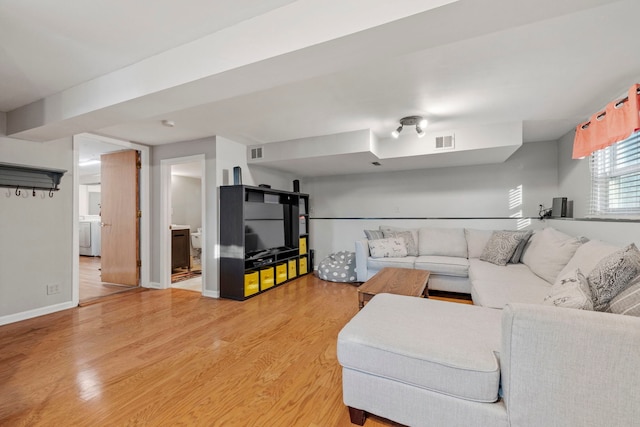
267	278
293	268
303	265
281	273
303	245
251	283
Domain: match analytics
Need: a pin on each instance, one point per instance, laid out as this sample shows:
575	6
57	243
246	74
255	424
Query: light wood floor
172	357
91	285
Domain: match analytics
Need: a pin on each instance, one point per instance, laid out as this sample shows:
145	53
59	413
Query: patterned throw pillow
388	248
501	245
373	234
628	301
612	275
412	248
571	291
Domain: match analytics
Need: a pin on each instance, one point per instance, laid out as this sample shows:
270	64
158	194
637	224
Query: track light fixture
419	122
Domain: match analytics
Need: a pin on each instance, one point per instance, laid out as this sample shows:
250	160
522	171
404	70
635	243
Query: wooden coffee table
399	281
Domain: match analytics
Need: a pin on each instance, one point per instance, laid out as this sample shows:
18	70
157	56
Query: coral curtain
617	122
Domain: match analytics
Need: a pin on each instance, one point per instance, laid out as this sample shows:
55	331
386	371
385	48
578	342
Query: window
615	178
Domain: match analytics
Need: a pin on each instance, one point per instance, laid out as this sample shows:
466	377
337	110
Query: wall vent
445	142
256	153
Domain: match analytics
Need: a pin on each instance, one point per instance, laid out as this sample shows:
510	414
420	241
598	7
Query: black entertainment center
263	239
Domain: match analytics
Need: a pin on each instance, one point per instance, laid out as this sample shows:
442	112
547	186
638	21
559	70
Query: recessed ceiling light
376	163
168	123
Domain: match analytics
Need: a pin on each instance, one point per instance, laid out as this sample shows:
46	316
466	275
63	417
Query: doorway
183	196
92	278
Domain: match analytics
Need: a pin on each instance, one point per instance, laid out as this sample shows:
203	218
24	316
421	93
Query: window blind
615	178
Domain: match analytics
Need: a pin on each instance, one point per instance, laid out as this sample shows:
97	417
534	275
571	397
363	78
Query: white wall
186	205
206	146
460	192
574	177
36	242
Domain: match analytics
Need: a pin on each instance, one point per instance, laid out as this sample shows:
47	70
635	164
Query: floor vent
445	142
256	153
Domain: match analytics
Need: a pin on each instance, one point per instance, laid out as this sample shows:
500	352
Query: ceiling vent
446	142
256	153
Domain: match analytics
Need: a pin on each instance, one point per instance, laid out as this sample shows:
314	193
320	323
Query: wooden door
120	201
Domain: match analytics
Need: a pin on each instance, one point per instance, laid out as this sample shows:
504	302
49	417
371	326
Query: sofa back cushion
476	241
442	242
548	252
588	255
388	228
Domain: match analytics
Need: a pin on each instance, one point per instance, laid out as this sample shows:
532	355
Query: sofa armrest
564	366
362	253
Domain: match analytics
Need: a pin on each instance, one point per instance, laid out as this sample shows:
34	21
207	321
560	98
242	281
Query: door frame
165	216
145	207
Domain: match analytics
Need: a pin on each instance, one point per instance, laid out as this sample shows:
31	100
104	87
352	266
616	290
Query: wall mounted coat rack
30	177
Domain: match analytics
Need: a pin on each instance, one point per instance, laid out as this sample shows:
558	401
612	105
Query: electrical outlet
53	289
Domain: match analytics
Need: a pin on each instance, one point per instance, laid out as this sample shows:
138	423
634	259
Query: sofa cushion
501	246
613	275
628	301
412	246
476	241
453	353
570	291
548	252
587	256
393	247
442	242
444	265
495	286
379	263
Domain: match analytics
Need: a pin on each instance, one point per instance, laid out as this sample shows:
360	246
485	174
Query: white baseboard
211	294
24	315
153	285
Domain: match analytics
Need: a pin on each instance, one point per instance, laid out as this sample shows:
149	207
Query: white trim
154	285
24	315
211	294
165	216
145	207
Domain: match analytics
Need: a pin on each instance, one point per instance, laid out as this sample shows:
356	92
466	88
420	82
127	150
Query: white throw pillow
588	256
393	247
571	291
414	231
412	247
548	252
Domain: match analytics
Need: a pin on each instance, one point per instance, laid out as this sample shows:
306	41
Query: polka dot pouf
338	267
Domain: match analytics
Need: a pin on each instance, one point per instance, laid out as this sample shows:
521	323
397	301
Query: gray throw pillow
412	247
612	275
501	245
517	254
373	234
628	301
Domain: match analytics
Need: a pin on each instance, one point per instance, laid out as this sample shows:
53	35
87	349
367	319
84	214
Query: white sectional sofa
512	359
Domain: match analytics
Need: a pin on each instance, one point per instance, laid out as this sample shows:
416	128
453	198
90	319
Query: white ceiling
266	71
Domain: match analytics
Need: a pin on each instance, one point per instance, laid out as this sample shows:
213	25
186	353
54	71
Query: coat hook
17	191
34	192
43	195
51	193
8	192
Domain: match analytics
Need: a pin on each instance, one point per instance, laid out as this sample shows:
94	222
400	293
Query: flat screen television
264	227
